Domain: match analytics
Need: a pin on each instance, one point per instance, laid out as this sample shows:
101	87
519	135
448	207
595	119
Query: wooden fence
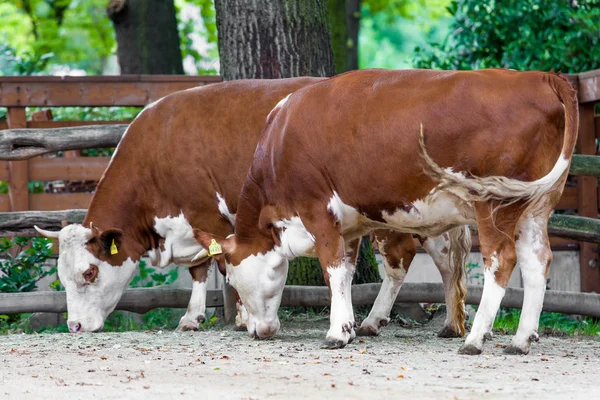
20	139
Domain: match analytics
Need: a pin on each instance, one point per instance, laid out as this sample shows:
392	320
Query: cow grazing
181	164
415	151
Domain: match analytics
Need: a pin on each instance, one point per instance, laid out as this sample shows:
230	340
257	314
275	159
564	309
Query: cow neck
116	205
251	203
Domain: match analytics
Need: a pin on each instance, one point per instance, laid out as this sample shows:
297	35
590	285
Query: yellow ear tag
214	248
113	248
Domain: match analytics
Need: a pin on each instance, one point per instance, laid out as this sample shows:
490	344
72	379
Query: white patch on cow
392	282
279	105
180	247
224	210
340	328
296	241
196	309
431	216
259	280
241	317
437	247
533	255
89	303
489	305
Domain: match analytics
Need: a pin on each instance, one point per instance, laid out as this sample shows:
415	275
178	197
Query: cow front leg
398	251
534	255
196	310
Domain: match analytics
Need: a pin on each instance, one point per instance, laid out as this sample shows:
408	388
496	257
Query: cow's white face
259	281
93	287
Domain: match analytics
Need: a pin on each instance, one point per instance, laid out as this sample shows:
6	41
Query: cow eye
90	274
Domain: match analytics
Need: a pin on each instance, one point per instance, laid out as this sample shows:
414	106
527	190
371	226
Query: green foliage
518	34
21	272
308	272
507	322
148	277
76	33
197	27
390	30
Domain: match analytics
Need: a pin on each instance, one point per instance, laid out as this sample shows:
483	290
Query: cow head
95	269
258	276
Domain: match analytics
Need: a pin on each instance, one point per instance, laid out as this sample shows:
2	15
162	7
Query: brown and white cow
181	164
363	150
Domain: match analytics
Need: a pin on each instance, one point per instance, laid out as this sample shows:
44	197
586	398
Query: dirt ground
229	365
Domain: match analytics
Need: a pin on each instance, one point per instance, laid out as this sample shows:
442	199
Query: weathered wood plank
18	171
587	165
59	201
573	227
22	222
70	169
22	144
90	93
65	124
588	86
145	299
587	199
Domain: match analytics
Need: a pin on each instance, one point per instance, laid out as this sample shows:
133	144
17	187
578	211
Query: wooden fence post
18	186
587	196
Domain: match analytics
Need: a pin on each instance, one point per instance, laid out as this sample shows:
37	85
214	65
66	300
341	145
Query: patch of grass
157	319
559	324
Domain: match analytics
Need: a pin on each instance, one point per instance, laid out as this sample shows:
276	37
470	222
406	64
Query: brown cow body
181	164
347	155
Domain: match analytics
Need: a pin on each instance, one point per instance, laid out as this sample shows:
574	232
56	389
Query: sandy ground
407	363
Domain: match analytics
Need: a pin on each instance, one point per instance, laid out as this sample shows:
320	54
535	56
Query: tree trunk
273	39
344	17
147	36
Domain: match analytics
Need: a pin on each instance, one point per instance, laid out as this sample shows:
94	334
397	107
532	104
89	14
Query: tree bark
147	36
344	17
269	39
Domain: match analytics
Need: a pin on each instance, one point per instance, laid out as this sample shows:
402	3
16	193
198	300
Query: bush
519	34
23	271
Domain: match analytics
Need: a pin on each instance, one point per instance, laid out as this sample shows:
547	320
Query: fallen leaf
400	376
535	379
104	358
326	374
544	359
363	351
217	369
224	358
333	385
146	387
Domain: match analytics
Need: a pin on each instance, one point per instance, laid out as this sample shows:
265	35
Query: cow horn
45	233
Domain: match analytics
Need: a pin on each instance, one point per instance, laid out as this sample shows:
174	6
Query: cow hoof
448	332
240	328
469	350
187	326
514	350
488	336
367	330
333	344
534	337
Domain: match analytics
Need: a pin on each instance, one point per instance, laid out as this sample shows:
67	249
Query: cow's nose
74	327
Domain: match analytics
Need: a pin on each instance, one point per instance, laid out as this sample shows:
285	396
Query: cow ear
111	241
275	234
215	246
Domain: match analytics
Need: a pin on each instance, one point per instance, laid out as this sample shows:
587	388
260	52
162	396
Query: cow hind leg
196	310
534	255
496	236
398	251
449	253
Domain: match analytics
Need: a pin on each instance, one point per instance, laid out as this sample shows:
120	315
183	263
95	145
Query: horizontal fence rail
145	299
